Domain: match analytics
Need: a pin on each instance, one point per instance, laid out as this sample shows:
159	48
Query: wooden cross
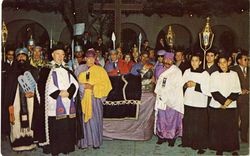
118	7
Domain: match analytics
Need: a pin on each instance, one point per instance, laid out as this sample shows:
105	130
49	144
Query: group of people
205	106
201	106
214	99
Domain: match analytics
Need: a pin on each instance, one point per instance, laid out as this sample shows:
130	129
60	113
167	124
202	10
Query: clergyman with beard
21	104
169	108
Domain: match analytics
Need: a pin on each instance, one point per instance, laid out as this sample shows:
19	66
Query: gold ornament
170	36
4	34
206	38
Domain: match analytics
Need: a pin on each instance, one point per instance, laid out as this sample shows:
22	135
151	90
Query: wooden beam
118	21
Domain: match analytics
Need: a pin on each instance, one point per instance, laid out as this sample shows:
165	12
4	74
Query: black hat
58	46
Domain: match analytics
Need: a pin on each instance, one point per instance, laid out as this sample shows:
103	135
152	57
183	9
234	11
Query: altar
133	129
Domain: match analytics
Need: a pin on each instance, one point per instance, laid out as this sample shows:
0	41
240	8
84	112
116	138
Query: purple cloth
169	124
110	66
126	129
92	130
169	55
60	109
161	52
80	68
159	68
90	53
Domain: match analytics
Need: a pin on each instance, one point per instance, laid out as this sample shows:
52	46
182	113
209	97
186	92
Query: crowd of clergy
204	103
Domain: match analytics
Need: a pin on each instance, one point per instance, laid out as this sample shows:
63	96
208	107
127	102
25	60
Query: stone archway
183	36
130	34
20	31
224	37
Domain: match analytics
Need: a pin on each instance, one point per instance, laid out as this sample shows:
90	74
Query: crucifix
117	7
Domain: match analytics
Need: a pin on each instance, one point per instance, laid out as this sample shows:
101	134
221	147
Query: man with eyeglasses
169	106
159	66
242	70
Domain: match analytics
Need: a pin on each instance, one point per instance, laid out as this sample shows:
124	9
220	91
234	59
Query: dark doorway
20	31
39	34
128	38
183	36
224	38
227	41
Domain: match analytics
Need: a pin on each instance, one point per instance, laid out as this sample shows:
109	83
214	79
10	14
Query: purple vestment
169	124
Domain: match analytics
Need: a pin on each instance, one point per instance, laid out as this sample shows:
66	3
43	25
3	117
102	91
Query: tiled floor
126	148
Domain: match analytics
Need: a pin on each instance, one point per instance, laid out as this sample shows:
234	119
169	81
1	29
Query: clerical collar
56	65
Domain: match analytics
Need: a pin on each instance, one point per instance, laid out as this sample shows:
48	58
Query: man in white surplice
169	106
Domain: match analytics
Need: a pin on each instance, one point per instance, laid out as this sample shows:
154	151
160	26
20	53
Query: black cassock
10	89
39	119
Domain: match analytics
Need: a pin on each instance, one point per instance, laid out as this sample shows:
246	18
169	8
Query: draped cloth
124	99
97	77
127	129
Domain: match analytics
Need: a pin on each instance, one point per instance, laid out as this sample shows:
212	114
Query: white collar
53	63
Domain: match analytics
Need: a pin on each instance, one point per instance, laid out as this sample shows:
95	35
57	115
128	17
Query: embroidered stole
24	114
60	109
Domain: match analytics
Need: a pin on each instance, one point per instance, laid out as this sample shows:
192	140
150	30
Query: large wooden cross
118	7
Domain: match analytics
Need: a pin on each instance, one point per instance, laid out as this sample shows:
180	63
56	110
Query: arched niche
130	35
19	32
224	37
183	36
